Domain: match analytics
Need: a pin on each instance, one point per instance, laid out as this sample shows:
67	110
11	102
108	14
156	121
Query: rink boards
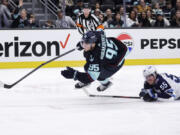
30	48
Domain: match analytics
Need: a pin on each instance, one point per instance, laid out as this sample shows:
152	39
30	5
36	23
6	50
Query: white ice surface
47	104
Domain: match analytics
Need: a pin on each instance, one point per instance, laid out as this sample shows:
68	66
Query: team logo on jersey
127	40
91	59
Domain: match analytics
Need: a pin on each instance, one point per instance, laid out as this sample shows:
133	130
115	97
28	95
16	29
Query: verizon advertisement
37	45
42	45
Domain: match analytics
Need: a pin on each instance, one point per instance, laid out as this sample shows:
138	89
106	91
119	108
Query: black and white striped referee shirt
88	24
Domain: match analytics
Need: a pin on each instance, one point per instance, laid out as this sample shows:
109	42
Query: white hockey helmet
149	70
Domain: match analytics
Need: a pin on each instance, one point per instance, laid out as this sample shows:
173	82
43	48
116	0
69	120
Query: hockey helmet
86	5
149	70
89	37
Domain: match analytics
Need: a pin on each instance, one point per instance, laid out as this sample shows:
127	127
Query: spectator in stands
20	19
97	9
135	9
143	20
161	21
32	22
121	11
176	20
97	12
117	22
149	16
168	8
78	8
132	20
162	3
135	2
48	25
109	18
102	21
5	14
97	6
129	5
6	3
173	12
108	15
156	8
142	7
64	21
68	5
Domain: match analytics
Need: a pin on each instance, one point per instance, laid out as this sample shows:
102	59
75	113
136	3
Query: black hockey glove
148	95
79	46
69	73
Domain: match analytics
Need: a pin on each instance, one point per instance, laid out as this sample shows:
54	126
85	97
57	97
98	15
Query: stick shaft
10	86
108	96
113	96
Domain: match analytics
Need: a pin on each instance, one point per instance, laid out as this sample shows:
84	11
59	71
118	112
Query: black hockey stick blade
7	86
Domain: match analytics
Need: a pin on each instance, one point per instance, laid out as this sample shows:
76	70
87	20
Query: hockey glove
69	73
148	95
79	46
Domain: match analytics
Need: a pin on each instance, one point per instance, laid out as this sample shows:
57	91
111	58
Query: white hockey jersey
166	86
174	83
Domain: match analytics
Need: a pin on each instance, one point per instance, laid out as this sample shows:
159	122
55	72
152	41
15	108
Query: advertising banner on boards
146	46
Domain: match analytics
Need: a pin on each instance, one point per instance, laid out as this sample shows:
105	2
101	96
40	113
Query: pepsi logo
127	40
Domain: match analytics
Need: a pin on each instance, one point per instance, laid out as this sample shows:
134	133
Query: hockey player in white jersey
166	86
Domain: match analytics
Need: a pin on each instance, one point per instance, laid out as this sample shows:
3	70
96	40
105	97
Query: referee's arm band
100	27
79	25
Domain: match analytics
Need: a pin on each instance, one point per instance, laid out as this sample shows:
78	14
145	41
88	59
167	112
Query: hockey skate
103	87
80	85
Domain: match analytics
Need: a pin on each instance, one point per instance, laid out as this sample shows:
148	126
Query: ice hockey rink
47	104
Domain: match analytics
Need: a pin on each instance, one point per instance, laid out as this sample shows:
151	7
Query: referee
88	21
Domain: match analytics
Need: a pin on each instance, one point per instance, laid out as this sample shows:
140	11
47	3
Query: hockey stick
109	96
11	85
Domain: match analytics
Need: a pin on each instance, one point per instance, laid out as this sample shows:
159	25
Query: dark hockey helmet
89	37
86	5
